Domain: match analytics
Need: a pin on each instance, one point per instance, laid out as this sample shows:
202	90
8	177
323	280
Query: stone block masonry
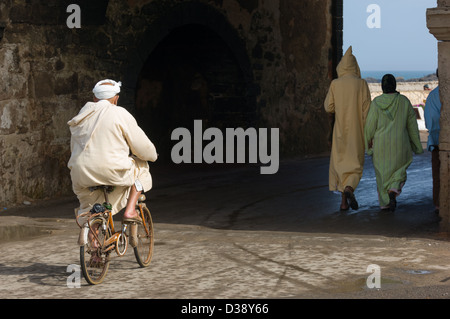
43	83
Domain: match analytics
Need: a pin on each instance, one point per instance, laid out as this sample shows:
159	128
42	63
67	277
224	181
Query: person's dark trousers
435	169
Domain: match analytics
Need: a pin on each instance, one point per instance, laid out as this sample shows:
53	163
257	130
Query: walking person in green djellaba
391	135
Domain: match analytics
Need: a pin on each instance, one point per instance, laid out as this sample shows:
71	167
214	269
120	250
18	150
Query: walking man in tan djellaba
349	100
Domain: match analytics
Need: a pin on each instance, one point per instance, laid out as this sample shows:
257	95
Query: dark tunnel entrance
191	74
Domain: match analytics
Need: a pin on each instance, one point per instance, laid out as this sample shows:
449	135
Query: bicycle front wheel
95	262
143	249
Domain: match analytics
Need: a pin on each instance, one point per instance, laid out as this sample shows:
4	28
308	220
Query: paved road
229	232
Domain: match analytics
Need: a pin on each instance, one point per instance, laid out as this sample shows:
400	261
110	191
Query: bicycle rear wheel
95	262
143	249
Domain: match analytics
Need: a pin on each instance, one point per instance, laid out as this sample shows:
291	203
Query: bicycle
98	238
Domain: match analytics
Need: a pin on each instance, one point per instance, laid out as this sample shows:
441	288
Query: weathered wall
47	72
43	80
438	22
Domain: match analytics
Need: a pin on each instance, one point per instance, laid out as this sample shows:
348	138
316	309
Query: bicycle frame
115	236
107	215
98	237
140	205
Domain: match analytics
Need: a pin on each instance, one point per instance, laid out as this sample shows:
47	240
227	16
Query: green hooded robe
391	127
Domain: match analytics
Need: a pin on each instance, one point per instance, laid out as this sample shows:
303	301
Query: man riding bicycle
109	148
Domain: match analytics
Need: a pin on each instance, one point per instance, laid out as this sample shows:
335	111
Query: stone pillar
337	10
438	22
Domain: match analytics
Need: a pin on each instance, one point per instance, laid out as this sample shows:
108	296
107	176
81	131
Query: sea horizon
398	74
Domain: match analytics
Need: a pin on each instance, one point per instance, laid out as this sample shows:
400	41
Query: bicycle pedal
130	222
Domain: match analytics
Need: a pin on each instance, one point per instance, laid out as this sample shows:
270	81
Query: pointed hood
388	104
348	65
84	124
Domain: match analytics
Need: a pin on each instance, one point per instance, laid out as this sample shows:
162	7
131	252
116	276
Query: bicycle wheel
143	248
95	262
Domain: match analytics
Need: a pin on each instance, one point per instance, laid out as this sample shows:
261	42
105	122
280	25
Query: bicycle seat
97	208
109	189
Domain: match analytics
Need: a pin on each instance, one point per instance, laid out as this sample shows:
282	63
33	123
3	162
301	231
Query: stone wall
44	80
47	71
438	22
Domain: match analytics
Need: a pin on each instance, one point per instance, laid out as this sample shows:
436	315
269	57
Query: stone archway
191	74
190	64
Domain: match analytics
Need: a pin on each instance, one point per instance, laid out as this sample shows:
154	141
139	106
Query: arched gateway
190	64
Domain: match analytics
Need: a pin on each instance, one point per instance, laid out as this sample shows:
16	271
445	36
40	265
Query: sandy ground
228	232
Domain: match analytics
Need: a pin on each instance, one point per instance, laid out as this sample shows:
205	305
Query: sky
400	40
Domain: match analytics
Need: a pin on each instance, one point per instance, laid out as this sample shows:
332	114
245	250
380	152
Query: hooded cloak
349	99
103	137
391	135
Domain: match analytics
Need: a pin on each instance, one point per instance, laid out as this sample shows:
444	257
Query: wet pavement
225	231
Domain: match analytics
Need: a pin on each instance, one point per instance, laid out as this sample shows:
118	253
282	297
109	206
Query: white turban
103	92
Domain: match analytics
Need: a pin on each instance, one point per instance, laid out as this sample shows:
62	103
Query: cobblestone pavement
228	232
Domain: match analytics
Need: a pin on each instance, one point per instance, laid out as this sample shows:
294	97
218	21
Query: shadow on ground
296	199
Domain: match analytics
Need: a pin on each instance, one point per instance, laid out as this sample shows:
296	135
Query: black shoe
351	199
392	201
